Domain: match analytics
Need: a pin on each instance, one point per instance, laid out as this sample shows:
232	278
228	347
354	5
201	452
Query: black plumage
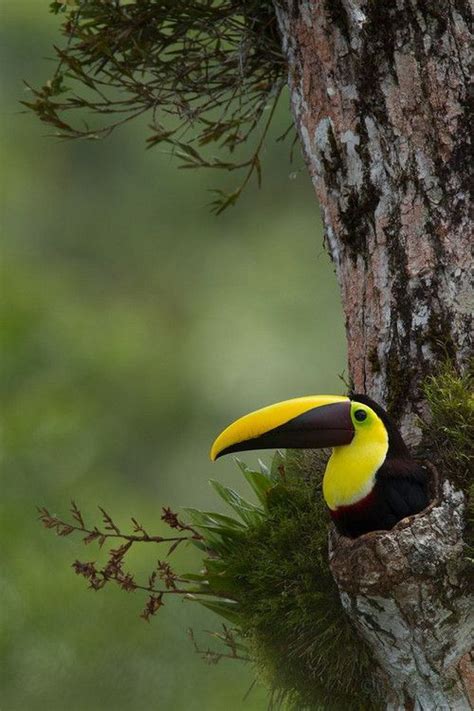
401	486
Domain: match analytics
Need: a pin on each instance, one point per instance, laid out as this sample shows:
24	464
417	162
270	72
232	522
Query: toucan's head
308	423
358	429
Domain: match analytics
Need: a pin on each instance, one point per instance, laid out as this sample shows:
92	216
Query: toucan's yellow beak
303	422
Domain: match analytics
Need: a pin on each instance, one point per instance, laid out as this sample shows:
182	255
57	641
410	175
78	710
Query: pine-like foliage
203	71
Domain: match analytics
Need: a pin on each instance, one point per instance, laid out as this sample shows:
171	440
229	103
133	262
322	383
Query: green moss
287	604
450	433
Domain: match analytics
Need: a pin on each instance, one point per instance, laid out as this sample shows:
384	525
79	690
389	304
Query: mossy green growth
270	574
470	528
450	432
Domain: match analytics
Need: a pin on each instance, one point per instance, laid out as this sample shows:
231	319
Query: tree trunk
379	96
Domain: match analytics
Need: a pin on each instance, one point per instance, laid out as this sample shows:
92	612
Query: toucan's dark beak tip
216	454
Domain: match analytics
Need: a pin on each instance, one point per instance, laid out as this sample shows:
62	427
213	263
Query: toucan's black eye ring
360	415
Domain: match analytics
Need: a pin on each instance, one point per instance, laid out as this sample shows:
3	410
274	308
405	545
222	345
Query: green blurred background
135	326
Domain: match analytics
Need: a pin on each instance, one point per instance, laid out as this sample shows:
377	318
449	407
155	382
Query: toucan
371	481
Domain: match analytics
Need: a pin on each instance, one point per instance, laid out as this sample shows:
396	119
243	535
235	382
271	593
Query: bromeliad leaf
218	579
242	466
204	547
217	543
194	577
264	470
229	609
250	514
261	484
222	584
216	566
220	532
212	521
260	481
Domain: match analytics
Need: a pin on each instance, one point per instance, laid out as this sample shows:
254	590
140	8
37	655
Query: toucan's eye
360	415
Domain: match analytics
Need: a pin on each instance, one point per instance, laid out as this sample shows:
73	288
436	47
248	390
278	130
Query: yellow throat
351	469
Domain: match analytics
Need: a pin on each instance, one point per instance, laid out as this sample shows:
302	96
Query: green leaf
215	566
229	609
213	521
249	513
245	467
217	578
221	544
194	577
260	483
263	468
222	584
242	466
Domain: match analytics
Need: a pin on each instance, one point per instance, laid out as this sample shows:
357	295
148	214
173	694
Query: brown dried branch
140	535
113	570
152	606
171	518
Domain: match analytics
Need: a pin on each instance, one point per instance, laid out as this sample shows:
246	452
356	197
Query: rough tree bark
379	96
405	592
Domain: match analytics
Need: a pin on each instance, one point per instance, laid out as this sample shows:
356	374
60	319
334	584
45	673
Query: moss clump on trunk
449	435
273	574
